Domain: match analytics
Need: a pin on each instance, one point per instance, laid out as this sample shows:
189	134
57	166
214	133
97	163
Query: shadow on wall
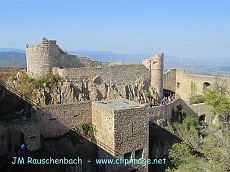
12	107
17	125
59	140
80	145
164	112
160	141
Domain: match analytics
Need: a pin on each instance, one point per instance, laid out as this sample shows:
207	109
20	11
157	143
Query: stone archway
9	139
97	80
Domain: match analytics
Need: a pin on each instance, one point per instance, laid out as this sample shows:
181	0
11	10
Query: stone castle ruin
113	98
89	80
43	57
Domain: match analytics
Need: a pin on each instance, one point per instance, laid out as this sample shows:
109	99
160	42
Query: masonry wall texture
159	113
169	80
29	129
58	119
43	57
132	133
157	66
203	109
103	119
120	74
180	81
124	130
163	112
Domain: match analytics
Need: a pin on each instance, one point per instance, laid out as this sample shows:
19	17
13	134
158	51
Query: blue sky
187	28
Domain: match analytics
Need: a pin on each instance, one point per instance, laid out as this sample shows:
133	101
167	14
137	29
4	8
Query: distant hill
105	56
12	49
194	65
6	58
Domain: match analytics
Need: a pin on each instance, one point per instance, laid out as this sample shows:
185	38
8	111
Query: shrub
189	121
148	95
88	129
178	115
197	99
50	79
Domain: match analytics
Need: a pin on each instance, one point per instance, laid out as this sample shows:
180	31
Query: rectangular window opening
139	154
128	155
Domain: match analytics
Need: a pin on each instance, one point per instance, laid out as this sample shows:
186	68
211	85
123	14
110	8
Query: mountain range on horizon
207	66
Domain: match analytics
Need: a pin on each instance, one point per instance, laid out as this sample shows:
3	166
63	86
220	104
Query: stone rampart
164	112
119	74
180	82
56	120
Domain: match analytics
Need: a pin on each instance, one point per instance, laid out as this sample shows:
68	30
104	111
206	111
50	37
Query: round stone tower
156	67
42	58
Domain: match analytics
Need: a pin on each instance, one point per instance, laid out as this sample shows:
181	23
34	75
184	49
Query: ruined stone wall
169	81
157	114
120	74
43	57
121	81
183	82
56	120
73	61
50	125
30	130
203	109
163	112
73	114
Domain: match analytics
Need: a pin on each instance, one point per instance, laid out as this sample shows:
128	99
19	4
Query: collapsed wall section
188	85
43	57
169	80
